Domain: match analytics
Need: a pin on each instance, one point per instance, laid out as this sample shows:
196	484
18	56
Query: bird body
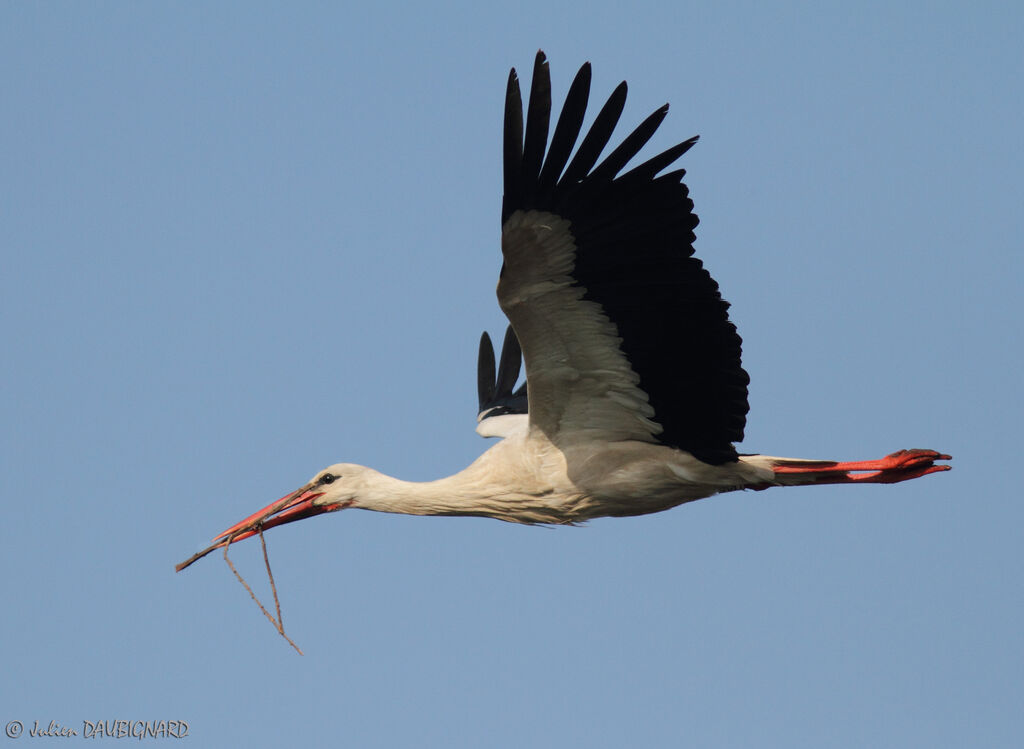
525	478
634	393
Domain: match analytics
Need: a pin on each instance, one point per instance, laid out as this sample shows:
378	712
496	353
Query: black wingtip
630	146
495	389
510	363
652	167
567	131
538	118
597	137
512	144
485	374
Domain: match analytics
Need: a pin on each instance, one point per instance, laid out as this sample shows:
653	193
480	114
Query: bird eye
327	478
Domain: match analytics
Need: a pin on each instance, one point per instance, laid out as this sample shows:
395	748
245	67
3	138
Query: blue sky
244	241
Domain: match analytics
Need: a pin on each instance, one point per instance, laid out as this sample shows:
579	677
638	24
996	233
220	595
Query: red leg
899	466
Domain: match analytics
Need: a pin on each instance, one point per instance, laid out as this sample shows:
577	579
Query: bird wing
624	333
502	409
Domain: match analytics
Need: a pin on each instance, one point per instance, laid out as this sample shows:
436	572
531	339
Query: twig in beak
278	625
273	588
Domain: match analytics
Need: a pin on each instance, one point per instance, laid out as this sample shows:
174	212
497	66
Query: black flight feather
495	392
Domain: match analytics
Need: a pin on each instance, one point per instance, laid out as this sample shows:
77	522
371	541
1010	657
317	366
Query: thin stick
273	587
266	613
197	556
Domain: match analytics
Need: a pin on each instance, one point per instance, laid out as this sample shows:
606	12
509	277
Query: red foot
898	466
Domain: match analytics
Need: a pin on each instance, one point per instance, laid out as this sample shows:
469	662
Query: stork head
334	488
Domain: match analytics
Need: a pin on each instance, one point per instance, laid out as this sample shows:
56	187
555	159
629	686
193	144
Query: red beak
288	509
291	507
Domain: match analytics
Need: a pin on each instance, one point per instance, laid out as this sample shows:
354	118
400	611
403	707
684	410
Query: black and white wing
624	333
502	407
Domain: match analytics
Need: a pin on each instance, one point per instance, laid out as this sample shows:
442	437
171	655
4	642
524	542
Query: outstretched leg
899	466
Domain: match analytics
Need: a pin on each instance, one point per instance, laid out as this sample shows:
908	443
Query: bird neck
492	486
454	495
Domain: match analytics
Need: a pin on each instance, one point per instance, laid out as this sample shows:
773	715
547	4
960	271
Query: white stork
634	391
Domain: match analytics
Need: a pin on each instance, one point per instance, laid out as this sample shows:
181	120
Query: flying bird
634	393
